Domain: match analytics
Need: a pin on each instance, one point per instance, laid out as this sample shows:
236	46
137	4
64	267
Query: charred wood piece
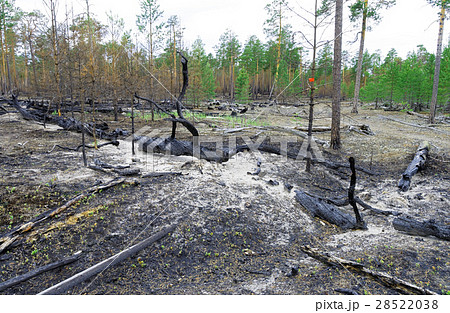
385	278
325	211
161	174
11	236
67	284
351	196
257	169
19	279
418	163
427	228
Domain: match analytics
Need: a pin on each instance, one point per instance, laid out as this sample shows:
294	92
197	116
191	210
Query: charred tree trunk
351	196
416	164
189	126
428	228
325	211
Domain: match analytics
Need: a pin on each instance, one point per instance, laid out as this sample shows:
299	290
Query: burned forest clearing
235	226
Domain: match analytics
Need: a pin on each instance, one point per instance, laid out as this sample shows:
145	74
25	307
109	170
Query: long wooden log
325	211
416	164
100	267
19	279
413	125
161	174
427	228
66	123
343	201
388	280
114	143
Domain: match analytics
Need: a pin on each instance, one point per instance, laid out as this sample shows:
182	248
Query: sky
403	27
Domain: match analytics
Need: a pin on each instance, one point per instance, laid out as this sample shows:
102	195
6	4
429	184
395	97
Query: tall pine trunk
360	59
336	105
437	67
311	96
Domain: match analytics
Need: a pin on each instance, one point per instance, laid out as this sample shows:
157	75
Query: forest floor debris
237	233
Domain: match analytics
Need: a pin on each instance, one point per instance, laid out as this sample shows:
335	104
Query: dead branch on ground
100	267
413	125
20	279
386	279
114	143
11	236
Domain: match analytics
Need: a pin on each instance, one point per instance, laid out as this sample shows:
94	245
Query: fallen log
127	172
25	114
418	114
114	143
325	211
386	279
361	129
109	166
343	201
161	174
10	237
177	147
335	166
315	129
20	279
375	210
413	125
100	267
292	132
98	168
68	123
3	110
416	164
416	228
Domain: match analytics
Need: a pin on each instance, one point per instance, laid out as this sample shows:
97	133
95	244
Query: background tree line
79	58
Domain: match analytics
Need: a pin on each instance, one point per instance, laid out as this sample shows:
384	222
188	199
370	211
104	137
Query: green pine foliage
201	75
407	82
242	86
208	82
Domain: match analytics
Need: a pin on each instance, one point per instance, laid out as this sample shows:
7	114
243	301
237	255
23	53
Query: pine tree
147	23
337	78
242	86
444	4
362	9
252	59
208	81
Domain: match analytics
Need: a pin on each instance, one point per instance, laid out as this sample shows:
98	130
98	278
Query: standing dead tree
179	105
351	196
